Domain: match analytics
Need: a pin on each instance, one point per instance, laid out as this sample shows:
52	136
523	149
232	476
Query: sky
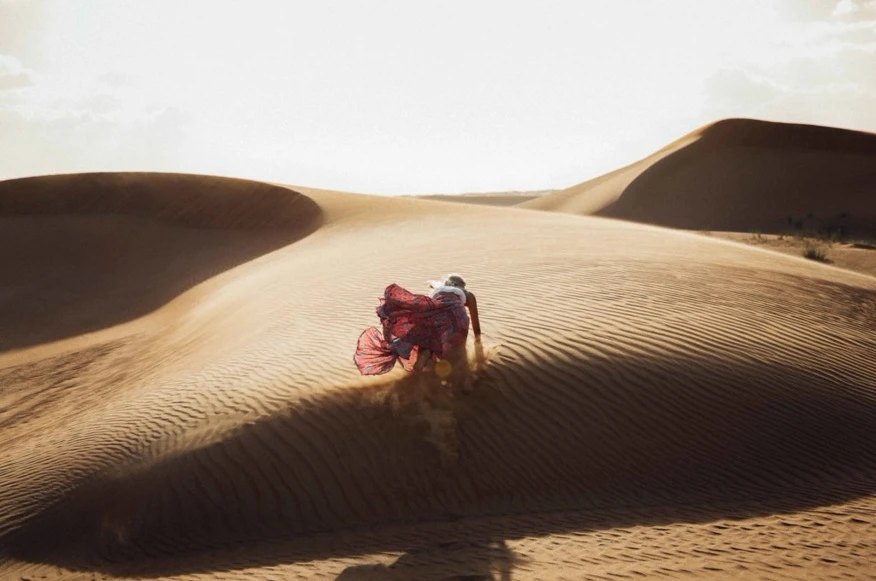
413	97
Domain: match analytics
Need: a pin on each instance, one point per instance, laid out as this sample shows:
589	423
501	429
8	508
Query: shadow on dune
619	442
749	175
742	175
470	560
83	252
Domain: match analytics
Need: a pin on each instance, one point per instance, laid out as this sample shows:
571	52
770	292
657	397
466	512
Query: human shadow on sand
471	560
539	447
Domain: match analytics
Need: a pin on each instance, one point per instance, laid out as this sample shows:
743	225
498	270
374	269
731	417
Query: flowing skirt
410	324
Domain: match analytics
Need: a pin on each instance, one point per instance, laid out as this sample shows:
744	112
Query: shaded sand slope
635	367
741	175
87	251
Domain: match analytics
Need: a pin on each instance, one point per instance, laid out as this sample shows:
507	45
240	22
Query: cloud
55	125
738	85
830	102
40	140
113	79
855	9
818	71
13	75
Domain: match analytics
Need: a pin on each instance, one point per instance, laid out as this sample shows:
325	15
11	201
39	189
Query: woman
418	330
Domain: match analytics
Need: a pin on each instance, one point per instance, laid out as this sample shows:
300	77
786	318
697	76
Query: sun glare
401	97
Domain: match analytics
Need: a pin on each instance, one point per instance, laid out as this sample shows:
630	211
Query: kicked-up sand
178	398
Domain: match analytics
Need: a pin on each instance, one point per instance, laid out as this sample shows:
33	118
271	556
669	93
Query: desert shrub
815	252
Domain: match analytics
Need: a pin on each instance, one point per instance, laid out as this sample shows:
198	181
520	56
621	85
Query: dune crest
195	201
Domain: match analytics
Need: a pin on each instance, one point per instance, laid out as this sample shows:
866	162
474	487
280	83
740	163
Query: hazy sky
408	96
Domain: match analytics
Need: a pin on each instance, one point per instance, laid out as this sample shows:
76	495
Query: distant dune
741	175
489	199
178	397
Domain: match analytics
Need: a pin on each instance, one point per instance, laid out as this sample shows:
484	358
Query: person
419	330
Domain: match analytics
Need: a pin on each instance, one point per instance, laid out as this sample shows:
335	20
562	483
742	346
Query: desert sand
489	198
178	399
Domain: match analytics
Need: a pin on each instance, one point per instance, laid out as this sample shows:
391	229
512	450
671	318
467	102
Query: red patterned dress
412	322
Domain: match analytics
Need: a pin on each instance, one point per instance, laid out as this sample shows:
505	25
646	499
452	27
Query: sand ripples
634	367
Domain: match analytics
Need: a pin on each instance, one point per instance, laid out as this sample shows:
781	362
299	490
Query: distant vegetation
826	229
815	252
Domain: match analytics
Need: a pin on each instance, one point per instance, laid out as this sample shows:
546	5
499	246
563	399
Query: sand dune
655	402
88	251
741	175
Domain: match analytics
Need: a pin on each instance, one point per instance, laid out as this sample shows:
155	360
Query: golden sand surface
178	399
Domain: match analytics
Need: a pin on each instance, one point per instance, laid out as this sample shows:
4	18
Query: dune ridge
169	232
635	367
741	175
195	201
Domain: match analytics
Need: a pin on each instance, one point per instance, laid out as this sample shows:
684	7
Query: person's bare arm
472	304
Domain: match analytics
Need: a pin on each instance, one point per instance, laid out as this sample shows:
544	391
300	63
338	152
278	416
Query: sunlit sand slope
637	377
741	175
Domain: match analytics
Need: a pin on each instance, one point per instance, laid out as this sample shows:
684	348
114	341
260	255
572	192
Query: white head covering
452	283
